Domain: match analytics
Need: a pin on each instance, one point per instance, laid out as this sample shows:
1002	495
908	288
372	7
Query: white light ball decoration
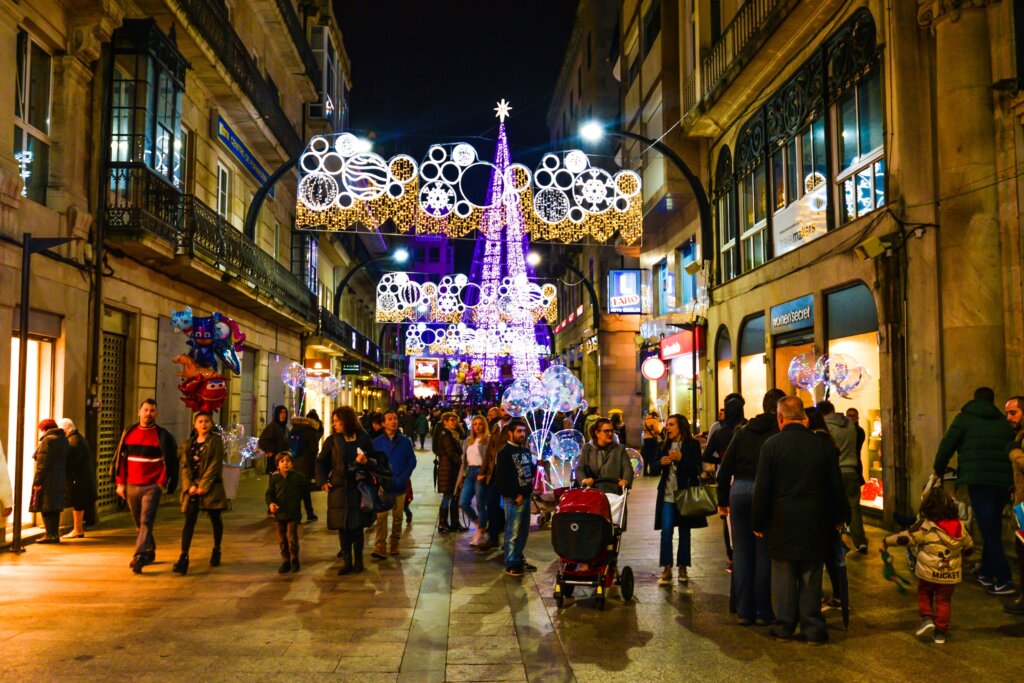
576	161
318	190
464	154
346	144
366	176
293	375
551	205
855	382
802	373
594	190
516	400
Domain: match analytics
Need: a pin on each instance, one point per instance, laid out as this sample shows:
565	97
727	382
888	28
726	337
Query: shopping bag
697	501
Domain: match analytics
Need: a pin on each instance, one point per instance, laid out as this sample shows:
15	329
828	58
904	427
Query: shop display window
784	354
754	383
38	406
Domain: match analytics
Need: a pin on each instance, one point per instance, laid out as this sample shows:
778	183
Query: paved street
76	612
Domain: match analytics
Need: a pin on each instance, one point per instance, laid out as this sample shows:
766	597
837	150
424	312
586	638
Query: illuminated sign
426	368
242	153
624	291
681	344
804	219
351	367
797	314
653	368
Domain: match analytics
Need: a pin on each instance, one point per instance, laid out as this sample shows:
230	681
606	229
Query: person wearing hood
751	569
51	473
844	433
274	437
979	435
719	438
306	434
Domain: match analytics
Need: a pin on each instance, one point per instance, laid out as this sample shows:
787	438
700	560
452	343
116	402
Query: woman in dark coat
448	451
80	489
680	468
307	432
202	487
274	437
50	476
346	453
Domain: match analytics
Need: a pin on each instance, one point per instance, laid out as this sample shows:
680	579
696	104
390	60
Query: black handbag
697	501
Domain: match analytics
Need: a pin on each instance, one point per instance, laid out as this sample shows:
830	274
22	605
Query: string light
400	299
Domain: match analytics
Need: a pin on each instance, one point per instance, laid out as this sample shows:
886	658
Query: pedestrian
398	451
346	456
474	448
80	490
495	513
719	436
1015	416
376	425
979	435
844	433
680	469
816	423
589	420
145	465
853	415
752	567
604	464
798	505
274	437
717	424
422	428
941	542
409	423
202	487
618	426
284	500
649	449
448	458
51	458
305	438
514	471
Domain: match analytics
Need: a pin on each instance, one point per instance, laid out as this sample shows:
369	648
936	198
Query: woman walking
346	457
448	455
50	475
80	492
650	447
422	427
202	487
473	483
680	468
274	437
308	431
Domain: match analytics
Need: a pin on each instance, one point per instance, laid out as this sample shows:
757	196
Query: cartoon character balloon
201	388
211	339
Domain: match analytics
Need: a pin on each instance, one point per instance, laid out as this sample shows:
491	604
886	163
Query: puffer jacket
845	435
940	549
979	435
1017	460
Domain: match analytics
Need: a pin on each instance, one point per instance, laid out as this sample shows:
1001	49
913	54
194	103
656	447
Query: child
941	541
284	498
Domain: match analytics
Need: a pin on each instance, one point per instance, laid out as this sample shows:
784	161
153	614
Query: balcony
337	337
149	219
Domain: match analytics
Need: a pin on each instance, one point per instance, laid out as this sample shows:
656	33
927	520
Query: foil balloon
637	461
293	375
517	401
330	386
211	339
540	444
803	373
567	444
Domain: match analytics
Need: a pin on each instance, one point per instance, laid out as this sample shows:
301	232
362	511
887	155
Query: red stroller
586	539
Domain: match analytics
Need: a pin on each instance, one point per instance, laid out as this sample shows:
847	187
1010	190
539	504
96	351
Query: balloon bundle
212	340
838	372
294	376
232	436
249	451
539	400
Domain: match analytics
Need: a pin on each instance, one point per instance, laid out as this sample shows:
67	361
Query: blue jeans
668	525
471	487
751	563
517	529
988	503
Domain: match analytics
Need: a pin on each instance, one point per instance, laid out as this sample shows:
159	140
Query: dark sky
426	71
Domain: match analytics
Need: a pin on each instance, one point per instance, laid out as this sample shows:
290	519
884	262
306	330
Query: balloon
802	372
856	380
249	450
516	400
293	375
563	389
637	460
330	386
540	395
210	338
834	368
540	444
567	444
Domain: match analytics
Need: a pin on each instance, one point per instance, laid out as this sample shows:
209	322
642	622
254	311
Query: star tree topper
503	110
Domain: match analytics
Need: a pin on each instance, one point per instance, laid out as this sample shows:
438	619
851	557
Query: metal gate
111	415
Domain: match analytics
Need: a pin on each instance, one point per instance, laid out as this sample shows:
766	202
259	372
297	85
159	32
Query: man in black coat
799	502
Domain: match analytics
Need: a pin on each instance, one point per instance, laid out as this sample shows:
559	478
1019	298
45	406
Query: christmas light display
401	299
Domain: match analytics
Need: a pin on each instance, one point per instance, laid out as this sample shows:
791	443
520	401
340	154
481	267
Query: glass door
38	406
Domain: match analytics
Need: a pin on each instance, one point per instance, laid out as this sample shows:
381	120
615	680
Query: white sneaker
683	578
666	577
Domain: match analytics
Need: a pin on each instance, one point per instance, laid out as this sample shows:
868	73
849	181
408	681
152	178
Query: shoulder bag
700	500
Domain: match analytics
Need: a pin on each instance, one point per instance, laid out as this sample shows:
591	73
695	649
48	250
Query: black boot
215	558
346	557
295	564
181	566
357	553
285	567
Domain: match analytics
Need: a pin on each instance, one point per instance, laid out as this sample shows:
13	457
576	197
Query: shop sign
803	220
624	291
242	153
797	314
317	367
426	369
653	368
680	343
351	367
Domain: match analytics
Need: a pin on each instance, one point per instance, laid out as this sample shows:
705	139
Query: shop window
686	255
786	349
724	366
861	178
753	374
753	194
39	395
666	279
32	94
652	26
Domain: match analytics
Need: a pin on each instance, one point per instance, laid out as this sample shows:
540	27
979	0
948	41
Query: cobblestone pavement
440	612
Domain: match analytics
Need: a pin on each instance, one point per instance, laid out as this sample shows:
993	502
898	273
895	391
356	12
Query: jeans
851	485
143	502
396	522
471	487
796	599
751	563
191	517
517	529
942	595
307	501
288	540
988	503
668	525
446	502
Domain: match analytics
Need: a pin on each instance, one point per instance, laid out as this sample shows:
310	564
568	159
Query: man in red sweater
145	463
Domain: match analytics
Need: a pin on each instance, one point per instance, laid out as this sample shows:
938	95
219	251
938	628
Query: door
112	412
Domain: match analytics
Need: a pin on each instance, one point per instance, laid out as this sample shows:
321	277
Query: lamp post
400	255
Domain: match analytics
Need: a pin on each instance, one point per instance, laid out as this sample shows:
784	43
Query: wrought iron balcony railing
332	327
298	36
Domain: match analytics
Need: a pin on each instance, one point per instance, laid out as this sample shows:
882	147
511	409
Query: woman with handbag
202	487
347	457
679	486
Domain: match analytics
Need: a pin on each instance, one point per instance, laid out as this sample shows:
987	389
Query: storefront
654	376
681	354
792	332
724	366
753	371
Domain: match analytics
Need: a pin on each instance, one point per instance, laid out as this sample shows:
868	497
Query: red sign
681	343
653	368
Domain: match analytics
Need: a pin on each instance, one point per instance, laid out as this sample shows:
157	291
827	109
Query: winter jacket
514	471
51	468
979	434
306	431
940	549
400	457
168	447
421	424
274	437
741	457
336	465
798	495
720	438
449	458
499	437
80	491
610	462
1016	455
687	474
287	492
408	422
210	474
844	433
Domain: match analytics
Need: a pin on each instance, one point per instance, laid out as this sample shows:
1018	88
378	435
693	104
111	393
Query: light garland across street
399	298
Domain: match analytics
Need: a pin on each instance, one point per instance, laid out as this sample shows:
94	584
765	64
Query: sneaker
1005	588
527	567
938	637
379	553
683	577
985	581
927	625
514	571
394	550
666	577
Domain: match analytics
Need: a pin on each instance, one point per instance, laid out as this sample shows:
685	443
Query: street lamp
400	255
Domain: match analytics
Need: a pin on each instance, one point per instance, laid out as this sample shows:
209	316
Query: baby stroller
544	496
586	537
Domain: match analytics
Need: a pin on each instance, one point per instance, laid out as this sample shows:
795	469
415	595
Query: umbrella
843	580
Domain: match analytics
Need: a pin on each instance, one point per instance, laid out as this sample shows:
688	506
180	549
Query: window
798	166
666	279
725	217
312	262
32	90
860	151
223	191
753	195
652	26
687	254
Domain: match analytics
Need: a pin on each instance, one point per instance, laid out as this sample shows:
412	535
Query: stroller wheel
626	583
567	590
559	600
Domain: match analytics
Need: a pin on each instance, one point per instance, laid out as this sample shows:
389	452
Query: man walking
1015	415
514	471
979	435
798	504
844	433
399	452
146	461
